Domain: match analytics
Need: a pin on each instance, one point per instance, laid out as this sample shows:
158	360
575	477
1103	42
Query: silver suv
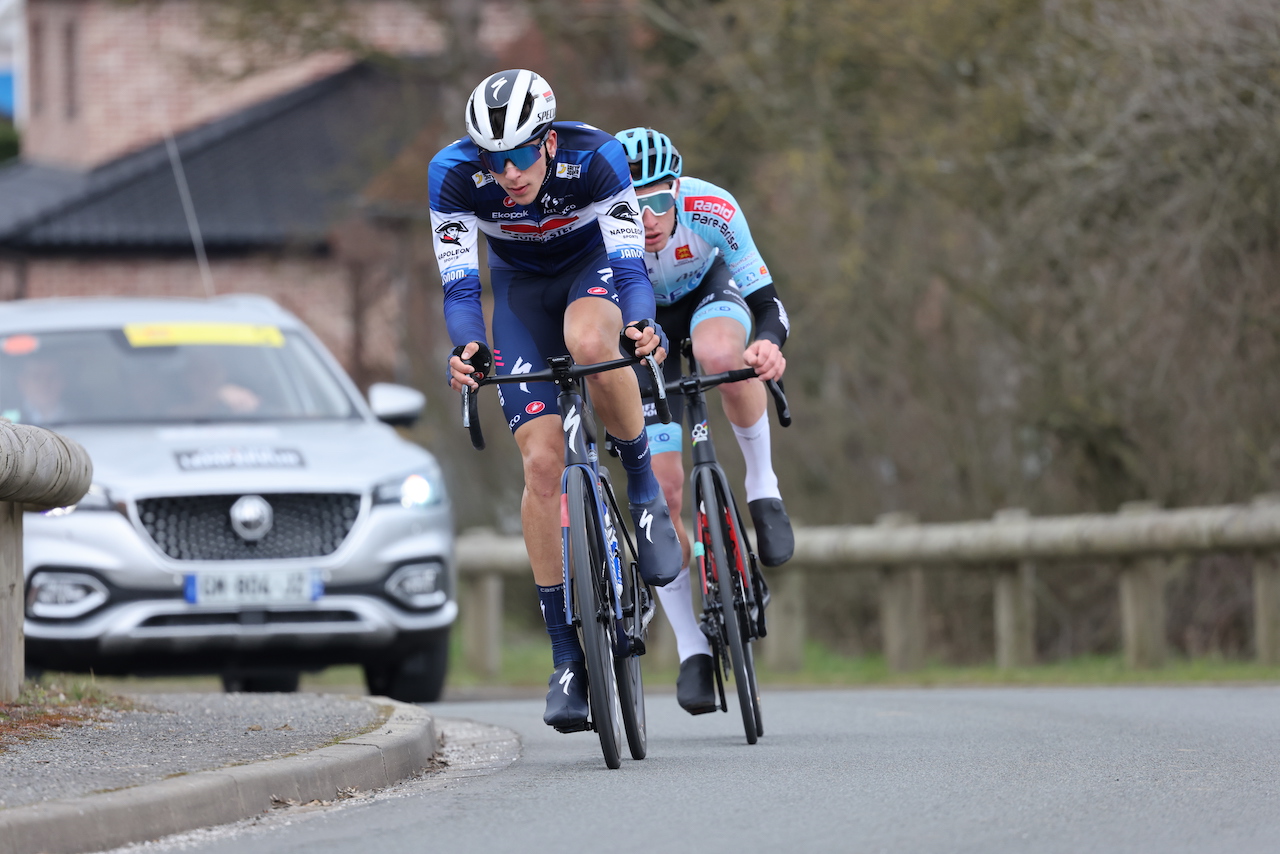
250	515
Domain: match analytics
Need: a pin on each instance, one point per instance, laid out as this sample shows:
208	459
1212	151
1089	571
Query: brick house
120	112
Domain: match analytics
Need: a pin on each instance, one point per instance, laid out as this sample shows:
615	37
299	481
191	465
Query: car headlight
418	585
64	595
420	489
97	498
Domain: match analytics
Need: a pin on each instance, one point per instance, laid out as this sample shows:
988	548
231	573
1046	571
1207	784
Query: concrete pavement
400	748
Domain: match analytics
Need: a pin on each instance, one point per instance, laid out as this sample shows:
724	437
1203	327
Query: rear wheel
587	564
727	583
414	677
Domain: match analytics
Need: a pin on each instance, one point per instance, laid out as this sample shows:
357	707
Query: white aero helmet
509	109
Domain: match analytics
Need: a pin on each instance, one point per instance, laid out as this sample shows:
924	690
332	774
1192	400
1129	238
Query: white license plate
276	587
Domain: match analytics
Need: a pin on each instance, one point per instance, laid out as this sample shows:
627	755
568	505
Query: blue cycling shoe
656	541
567	700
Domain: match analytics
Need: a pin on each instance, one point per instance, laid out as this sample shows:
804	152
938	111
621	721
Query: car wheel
417	677
285	682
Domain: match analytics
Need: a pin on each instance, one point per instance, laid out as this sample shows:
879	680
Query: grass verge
45	707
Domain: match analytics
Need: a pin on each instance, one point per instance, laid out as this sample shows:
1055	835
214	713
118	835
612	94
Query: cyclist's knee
718	355
589	344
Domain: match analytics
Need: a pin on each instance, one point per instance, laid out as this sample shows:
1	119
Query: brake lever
471	416
779	402
660	394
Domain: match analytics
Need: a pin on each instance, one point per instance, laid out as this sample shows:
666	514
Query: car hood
136	461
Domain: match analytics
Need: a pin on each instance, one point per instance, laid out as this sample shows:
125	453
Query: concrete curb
402	746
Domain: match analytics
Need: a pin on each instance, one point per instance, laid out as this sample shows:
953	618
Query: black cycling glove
481	360
628	346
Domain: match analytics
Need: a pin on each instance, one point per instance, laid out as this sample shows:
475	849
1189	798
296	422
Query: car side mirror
397	405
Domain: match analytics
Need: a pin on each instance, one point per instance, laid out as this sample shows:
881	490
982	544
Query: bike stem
696	409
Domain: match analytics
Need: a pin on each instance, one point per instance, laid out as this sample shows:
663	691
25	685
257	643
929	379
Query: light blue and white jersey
708	222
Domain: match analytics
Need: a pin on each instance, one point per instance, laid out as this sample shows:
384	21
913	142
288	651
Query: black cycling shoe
567	700
656	541
773	531
695	686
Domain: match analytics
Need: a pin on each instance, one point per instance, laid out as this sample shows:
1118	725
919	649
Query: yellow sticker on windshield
209	334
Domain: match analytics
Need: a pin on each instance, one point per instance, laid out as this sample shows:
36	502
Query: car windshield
166	373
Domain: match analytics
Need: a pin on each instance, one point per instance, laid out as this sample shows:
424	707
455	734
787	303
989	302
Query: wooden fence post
12	650
902	612
785	620
1015	606
1142	605
1266	608
481	618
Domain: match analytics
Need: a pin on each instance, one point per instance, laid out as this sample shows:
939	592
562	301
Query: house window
36	59
70	70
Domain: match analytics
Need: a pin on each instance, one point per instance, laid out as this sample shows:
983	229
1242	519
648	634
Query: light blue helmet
652	156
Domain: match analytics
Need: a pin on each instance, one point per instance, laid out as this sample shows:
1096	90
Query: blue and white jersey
708	222
586	201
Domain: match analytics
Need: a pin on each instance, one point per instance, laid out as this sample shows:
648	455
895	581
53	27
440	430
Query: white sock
677	604
761	482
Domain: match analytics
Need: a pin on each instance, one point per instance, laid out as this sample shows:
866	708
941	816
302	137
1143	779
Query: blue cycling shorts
528	327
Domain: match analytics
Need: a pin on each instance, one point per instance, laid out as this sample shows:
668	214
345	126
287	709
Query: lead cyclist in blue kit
555	202
711	285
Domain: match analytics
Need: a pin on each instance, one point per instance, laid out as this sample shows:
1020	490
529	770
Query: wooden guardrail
1143	540
39	470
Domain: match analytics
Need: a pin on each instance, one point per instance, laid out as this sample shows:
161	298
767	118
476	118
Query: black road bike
605	597
734	592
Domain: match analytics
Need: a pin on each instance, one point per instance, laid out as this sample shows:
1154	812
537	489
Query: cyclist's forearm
463	311
772	323
635	291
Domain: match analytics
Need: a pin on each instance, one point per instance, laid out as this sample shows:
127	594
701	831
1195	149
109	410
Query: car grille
247	618
198	527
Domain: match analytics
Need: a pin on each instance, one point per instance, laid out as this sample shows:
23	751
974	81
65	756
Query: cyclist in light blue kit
554	201
711	285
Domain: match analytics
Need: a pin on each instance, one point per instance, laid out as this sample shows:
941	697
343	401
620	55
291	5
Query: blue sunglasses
522	157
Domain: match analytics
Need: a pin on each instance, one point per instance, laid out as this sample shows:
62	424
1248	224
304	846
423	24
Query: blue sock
642	486
564	637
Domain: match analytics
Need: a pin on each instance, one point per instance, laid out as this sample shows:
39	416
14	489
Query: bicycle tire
726	583
745	559
587	563
627	666
630	679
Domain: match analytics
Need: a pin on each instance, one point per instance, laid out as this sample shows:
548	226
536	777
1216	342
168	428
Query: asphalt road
983	770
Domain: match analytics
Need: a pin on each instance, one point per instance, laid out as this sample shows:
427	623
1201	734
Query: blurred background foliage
1028	249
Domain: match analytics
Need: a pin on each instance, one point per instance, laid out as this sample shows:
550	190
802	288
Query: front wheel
727	583
626	666
590	574
416	676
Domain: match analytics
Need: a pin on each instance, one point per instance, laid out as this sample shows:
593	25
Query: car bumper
147	626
